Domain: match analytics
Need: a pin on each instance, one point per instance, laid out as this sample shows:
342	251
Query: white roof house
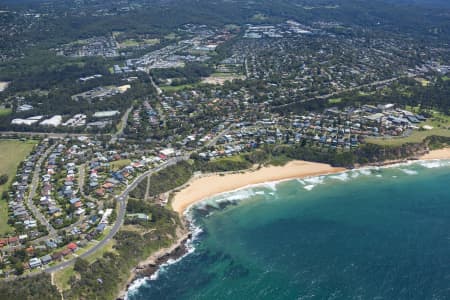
35	262
167	151
54	121
28	121
106	114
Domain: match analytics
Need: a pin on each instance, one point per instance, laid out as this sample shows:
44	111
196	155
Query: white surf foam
433	164
190	248
135	285
309	187
301	181
314	180
365	171
409	172
271	185
354	174
342	176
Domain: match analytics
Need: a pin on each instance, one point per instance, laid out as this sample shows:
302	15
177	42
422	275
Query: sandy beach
437	154
202	187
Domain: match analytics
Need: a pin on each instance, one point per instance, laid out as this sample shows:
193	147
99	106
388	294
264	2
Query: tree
3	179
81	265
19	268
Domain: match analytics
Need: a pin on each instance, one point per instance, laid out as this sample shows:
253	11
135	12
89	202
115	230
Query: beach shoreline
439	154
203	186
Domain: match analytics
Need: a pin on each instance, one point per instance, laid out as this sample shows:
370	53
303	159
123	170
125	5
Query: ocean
375	233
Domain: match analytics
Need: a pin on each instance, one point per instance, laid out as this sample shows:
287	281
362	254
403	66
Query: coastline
437	154
151	264
203	186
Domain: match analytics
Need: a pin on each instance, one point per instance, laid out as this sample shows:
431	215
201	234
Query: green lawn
416	137
129	43
5	111
12	153
334	100
109	247
62	277
222	74
439	122
170	36
176	88
119	164
259	17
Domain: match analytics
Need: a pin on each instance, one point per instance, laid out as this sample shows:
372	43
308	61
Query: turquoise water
368	234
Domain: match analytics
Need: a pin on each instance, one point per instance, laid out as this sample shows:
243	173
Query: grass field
221	78
170	36
109	247
416	137
176	88
119	164
423	81
5	111
12	153
334	100
259	17
61	278
134	43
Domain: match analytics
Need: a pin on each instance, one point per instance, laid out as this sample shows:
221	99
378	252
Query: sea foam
309	187
365	171
271	185
434	164
342	176
135	285
409	172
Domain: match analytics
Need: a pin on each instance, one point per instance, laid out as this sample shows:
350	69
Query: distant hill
426	3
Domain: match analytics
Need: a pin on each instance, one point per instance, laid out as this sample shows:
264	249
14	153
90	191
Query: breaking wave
309	187
409	172
342	176
435	163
